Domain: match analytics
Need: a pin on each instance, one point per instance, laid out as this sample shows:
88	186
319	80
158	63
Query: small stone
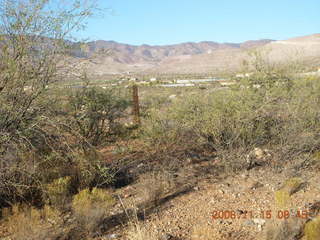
172	96
256	185
248	223
127	195
111	236
259	221
241	211
258	153
166	236
221	191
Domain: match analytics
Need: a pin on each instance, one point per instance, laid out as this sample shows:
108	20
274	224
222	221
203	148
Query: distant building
133	79
240	76
243	75
178	85
196	80
153	79
226	84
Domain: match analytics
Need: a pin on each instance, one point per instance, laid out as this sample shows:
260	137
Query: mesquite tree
33	36
34	39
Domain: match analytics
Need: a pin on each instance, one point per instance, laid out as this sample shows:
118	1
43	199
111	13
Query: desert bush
158	128
284	229
235	121
242	117
35	146
225	120
25	222
95	114
152	186
315	159
290	186
312	229
265	75
59	191
35	177
89	170
90	207
32	44
282	198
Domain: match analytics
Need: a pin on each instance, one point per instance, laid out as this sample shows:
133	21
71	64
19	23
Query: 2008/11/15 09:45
266	214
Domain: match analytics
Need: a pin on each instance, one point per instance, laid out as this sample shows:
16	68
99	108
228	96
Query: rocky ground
226	206
249	195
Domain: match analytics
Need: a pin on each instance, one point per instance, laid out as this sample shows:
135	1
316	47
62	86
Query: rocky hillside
125	53
109	57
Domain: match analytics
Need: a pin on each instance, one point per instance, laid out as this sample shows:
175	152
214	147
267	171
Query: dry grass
90	207
284	229
24	222
137	231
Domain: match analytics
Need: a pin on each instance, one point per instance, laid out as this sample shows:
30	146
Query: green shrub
312	229
226	119
282	196
242	117
33	47
95	114
59	191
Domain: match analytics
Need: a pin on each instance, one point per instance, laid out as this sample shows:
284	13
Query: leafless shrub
152	186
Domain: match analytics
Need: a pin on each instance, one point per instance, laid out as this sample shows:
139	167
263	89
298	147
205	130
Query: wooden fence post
136	106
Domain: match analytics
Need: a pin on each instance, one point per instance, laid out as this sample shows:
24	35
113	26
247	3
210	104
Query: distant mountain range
109	57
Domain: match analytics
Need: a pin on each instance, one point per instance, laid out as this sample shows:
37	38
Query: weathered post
136	107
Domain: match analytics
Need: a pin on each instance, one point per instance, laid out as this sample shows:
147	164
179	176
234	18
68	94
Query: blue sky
158	22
